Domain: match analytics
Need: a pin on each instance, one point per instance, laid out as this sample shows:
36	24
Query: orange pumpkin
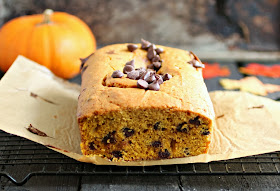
56	40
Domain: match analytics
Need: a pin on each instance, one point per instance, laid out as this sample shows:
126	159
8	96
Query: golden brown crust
185	91
119	121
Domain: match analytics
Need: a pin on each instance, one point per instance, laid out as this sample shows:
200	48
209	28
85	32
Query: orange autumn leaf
250	84
262	70
214	70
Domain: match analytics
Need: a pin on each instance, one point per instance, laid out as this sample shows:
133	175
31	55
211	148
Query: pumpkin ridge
52	44
57	45
21	34
27	50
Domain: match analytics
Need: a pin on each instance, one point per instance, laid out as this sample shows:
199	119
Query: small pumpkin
56	40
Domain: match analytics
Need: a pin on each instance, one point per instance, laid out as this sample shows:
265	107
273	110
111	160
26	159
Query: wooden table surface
112	182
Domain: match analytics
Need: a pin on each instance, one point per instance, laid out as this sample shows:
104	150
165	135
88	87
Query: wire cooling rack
20	159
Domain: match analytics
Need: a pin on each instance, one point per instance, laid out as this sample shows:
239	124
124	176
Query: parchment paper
30	94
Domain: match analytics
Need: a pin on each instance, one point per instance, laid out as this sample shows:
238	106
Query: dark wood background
204	25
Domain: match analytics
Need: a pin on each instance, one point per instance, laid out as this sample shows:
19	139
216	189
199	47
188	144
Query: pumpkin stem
47	16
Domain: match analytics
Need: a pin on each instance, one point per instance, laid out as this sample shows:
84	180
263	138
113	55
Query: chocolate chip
150	66
195	121
127	69
109	138
134	75
143	75
128	132
142	84
91	146
84	60
141	71
156	144
157	65
163	129
163	154
187	151
159	79
151	70
197	64
166	77
145	131
117	154
145	44
182	127
156	125
131	63
156	58
132	47
84	69
151	54
159	50
149	77
117	74
207	132
129	142
153	47
154	86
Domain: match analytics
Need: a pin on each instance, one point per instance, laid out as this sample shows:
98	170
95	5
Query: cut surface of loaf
120	121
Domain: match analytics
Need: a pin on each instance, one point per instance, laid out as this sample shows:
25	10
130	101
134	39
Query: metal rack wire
36	160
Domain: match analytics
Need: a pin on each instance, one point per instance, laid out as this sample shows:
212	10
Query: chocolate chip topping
156	58
128	132
159	50
117	154
166	77
134	75
132	47
142	84
141	71
151	53
197	64
127	69
145	44
83	69
163	154
117	74
156	144
159	79
157	65
149	77
154	86
153	46
83	60
151	66
131	63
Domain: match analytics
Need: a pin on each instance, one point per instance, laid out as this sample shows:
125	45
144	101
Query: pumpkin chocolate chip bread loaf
144	102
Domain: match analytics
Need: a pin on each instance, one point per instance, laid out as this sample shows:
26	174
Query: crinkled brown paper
31	94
